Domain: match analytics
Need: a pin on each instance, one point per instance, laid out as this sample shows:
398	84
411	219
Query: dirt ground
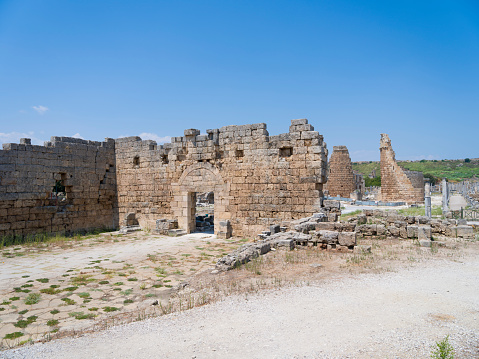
394	302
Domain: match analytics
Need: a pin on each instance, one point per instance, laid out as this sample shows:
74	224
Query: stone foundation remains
257	180
397	184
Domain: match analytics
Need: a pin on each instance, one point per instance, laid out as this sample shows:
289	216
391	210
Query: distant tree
422	161
467	160
369	182
431	178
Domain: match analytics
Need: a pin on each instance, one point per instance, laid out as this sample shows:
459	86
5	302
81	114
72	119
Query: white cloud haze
40	109
14	137
153	136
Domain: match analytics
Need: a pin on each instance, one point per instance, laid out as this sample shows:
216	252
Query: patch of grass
14	335
43	280
23	311
25	323
351	214
25	276
50	291
14	298
82	279
160	270
52	322
126	292
33	298
2	309
54	311
70	289
84	295
157	285
178	272
5	302
93	309
150	295
132	279
118	283
122	274
110	309
103	282
69	301
128	301
27	285
81	315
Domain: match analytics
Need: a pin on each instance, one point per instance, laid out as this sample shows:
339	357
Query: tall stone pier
341	180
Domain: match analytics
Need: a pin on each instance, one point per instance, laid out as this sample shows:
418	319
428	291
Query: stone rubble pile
310	231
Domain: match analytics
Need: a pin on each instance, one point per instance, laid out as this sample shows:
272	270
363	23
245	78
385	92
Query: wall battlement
257	179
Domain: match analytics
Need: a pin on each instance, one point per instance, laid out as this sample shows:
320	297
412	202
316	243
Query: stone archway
200	177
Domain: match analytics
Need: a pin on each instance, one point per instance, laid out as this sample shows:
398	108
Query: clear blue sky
355	69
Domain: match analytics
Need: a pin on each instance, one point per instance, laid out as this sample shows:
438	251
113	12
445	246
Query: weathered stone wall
28	174
396	184
257	179
341	180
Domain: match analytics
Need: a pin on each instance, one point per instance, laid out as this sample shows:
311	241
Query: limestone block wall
28	174
257	179
341	181
396	184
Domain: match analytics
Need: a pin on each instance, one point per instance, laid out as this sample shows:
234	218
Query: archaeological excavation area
96	234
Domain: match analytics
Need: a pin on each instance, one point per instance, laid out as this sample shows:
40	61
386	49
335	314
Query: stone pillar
427	200
445	196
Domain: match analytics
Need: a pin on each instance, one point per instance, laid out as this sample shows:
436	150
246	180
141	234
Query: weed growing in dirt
110	309
33	298
81	315
443	350
52	322
13	335
54	311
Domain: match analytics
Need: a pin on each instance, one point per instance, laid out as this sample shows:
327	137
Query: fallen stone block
347	239
465	232
424	232
328	237
412	231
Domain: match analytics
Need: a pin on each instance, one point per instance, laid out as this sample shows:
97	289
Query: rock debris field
391	314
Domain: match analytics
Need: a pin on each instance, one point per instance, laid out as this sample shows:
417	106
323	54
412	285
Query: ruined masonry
341	180
398	184
71	184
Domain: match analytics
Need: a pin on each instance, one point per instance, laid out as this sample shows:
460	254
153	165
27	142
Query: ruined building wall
396	183
341	181
28	174
257	179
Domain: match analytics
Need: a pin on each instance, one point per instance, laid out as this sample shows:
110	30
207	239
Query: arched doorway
200	177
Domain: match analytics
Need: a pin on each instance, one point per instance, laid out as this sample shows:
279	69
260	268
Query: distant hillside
453	170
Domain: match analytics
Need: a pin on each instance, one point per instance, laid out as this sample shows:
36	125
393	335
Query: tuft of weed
54	311
52	322
110	309
81	315
13	335
33	298
43	280
69	301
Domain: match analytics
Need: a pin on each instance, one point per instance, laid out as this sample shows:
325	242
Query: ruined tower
398	184
341	178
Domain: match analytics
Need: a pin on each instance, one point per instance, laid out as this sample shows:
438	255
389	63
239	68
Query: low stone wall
391	224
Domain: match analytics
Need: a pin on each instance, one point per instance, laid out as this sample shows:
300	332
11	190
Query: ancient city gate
199	177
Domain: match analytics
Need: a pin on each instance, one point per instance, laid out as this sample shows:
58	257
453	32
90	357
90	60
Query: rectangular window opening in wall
286	152
164	159
204	212
136	162
239	153
58	195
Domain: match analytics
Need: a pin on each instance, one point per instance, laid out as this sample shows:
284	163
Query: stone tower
341	178
397	184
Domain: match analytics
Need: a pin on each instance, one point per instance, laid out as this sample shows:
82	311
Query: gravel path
393	315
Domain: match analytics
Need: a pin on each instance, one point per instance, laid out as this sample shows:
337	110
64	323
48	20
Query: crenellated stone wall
64	186
257	179
396	183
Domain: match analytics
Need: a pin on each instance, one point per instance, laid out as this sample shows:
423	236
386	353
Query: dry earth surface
395	302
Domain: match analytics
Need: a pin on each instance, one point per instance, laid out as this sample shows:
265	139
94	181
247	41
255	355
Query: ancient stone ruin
341	180
71	184
397	184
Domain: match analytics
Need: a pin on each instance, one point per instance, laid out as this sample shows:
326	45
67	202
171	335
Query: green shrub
33	298
443	350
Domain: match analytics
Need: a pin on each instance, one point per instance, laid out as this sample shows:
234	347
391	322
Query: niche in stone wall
136	162
164	159
286	152
239	153
58	195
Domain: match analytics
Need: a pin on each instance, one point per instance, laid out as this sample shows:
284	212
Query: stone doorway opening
202	212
